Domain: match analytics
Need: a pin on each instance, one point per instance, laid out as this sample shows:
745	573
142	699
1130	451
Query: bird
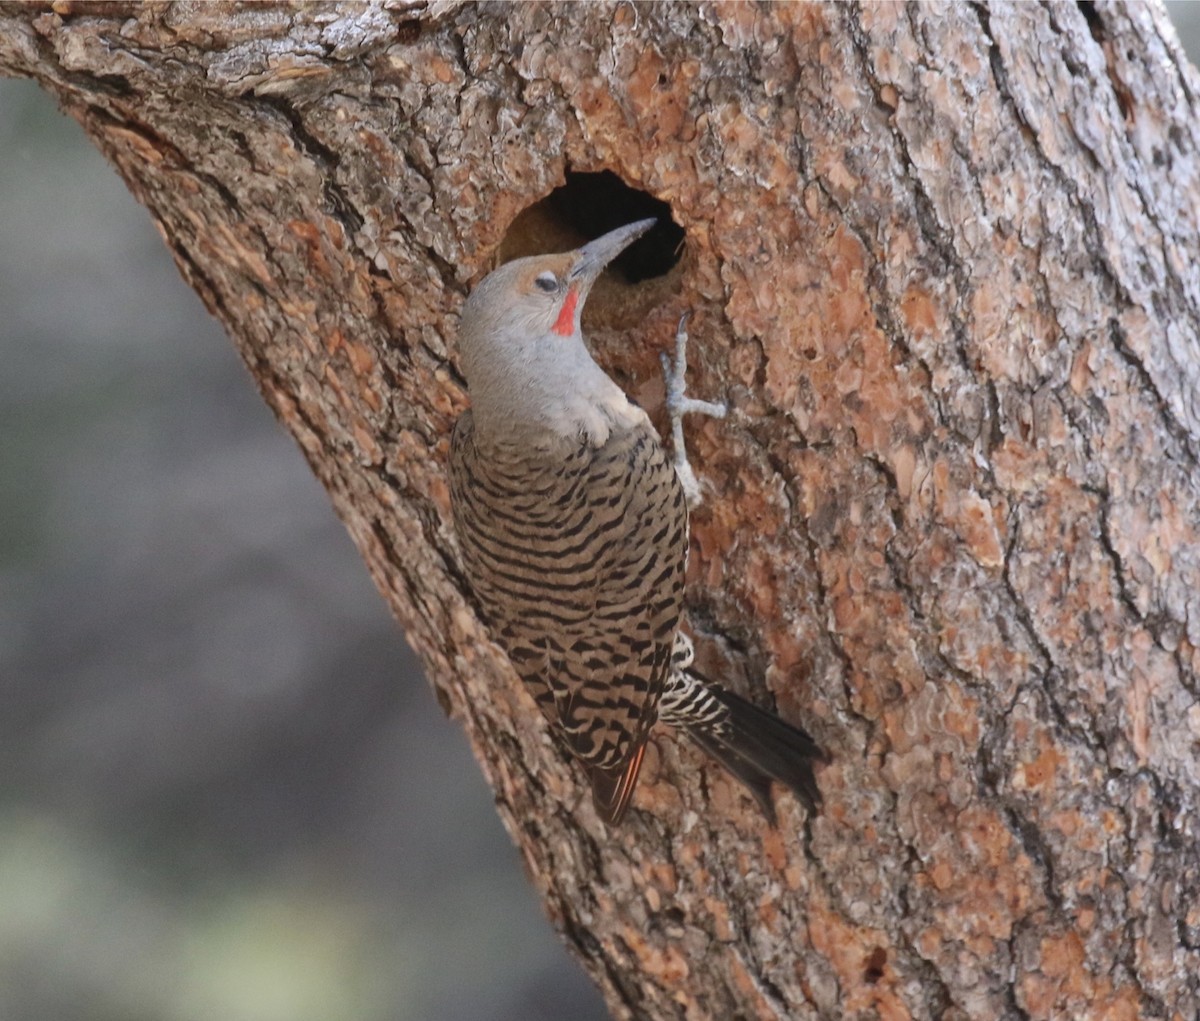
572	523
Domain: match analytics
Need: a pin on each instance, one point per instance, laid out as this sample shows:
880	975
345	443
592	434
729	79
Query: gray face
522	300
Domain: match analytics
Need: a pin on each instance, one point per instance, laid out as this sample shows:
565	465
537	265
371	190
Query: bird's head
542	294
519	340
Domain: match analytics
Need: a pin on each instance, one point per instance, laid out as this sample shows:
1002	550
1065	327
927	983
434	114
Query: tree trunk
943	263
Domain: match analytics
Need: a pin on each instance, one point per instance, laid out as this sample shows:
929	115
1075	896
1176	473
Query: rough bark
943	262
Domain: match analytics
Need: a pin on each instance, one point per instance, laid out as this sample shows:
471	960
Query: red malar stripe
564	326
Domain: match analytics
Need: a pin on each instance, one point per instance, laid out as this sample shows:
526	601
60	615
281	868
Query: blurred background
226	792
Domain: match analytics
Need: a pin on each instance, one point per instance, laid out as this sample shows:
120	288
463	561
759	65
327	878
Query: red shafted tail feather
612	790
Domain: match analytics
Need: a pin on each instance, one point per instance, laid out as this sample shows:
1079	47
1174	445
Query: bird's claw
678	404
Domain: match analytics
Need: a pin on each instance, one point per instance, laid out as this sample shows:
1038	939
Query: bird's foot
680	404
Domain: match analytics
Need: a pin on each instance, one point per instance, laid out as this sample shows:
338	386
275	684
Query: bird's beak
595	255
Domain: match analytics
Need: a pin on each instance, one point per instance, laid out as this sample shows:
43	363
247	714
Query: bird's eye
547	282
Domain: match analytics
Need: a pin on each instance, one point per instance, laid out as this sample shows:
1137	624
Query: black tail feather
756	747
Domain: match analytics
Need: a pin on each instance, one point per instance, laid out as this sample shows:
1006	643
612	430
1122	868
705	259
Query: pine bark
942	261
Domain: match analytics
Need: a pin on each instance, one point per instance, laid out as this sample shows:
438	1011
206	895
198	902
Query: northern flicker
573	526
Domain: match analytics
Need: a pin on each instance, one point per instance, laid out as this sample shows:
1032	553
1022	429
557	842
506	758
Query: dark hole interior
591	204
